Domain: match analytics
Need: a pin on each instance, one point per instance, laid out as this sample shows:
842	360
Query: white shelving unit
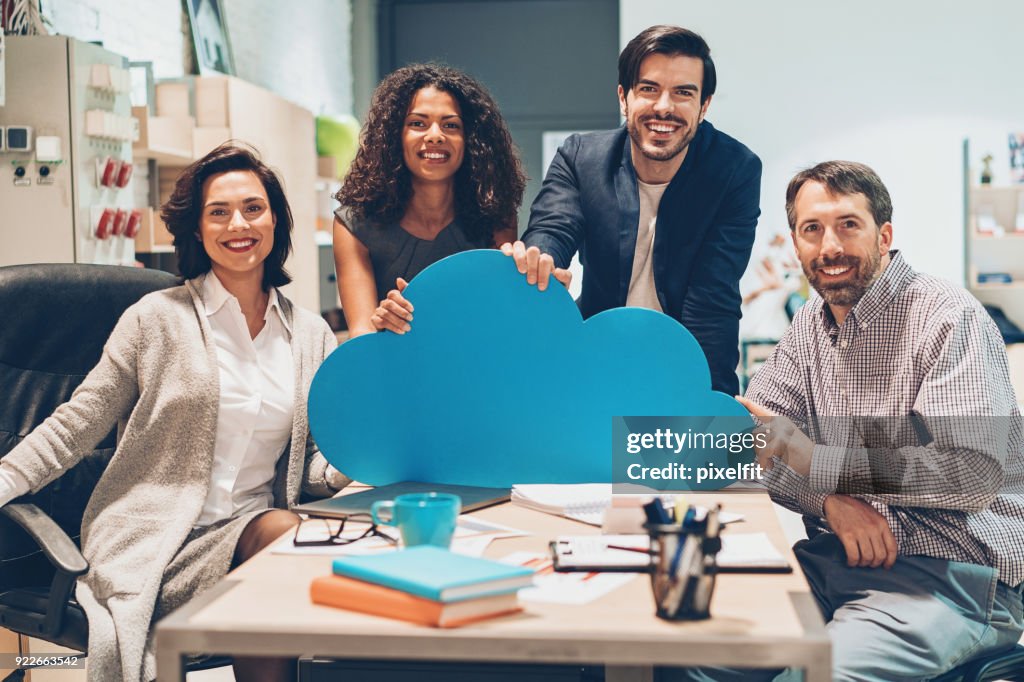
994	241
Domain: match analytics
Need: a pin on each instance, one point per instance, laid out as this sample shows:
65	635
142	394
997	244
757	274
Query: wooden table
263	609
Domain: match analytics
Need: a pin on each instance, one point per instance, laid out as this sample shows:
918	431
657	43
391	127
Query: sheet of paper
749	550
472	536
565	588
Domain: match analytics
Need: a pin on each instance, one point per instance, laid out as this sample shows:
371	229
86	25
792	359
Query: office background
899	86
896	85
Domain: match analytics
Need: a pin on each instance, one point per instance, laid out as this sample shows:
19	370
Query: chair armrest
55	543
61	552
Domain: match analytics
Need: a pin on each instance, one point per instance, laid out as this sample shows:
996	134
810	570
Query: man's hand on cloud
864	532
782	439
538	267
395	312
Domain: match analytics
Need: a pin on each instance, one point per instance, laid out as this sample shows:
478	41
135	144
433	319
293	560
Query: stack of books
424	584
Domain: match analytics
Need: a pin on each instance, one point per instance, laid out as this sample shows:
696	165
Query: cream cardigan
158	381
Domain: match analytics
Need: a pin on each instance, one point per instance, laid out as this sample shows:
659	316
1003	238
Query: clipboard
741	553
601	553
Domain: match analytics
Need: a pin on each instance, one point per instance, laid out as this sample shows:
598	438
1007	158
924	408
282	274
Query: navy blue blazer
590	202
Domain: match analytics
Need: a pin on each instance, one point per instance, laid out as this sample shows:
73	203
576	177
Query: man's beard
659	153
848	292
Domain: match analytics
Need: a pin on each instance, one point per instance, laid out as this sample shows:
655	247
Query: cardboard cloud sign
500	383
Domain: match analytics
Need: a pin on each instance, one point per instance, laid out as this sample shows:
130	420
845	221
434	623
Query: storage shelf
998	189
164	157
993	253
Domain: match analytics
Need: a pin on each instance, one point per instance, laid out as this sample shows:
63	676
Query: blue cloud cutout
500	383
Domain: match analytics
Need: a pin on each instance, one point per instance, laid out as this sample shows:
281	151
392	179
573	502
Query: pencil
629	549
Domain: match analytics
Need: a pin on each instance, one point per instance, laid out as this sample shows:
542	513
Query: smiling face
236	225
839	245
432	136
663	109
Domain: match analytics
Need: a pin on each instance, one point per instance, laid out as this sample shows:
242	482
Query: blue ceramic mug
422	518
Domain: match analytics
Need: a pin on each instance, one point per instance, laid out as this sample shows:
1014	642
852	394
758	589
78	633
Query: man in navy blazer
667	168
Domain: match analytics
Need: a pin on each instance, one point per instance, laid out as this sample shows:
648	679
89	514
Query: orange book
356	595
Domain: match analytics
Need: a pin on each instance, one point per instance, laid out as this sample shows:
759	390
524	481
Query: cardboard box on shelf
165	138
172	100
211	102
326	167
205	140
153	236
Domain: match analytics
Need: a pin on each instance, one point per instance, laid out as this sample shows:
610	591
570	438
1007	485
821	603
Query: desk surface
263	608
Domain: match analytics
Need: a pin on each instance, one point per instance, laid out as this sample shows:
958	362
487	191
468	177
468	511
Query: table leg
819	669
629	673
169	665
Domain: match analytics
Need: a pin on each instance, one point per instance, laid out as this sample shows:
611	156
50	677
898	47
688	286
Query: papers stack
589	502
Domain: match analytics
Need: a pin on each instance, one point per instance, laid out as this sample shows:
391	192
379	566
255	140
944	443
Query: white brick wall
299	50
145	30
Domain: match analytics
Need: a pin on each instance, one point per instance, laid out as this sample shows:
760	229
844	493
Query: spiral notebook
584	502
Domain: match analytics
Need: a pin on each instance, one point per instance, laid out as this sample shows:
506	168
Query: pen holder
683	570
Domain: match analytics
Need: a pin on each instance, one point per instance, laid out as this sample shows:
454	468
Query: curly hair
183	209
489	184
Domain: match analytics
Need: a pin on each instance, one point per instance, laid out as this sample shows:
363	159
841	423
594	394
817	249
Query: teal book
435	573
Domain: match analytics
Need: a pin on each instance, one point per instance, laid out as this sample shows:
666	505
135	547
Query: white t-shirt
642	292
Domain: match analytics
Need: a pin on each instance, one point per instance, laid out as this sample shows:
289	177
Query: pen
705	574
679	585
629	549
685	521
680	508
713	524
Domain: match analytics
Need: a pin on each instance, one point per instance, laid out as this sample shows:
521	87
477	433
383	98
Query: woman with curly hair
436	173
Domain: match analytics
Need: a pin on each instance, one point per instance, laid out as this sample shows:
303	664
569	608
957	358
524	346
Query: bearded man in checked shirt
893	428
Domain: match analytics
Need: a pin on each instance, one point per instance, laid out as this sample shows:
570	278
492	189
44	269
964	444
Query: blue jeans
918	619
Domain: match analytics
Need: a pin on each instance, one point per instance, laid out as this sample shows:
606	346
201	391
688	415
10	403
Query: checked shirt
910	407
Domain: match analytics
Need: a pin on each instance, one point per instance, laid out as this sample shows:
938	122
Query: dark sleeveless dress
396	253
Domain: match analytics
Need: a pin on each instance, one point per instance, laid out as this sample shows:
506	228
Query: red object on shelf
124	174
120	220
111	167
103	225
134	222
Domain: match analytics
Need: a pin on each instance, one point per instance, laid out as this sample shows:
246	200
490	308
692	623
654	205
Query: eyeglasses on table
337	531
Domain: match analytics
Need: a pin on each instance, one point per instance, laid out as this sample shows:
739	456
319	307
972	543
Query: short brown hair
843	177
668	40
182	211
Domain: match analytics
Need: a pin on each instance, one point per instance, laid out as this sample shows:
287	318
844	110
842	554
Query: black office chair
1006	665
56	320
